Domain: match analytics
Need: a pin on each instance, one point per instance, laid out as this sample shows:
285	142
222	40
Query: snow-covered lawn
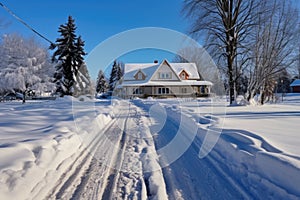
277	123
46	147
39	141
257	143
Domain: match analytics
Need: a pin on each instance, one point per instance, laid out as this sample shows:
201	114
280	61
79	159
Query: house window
202	89
183	76
140	76
137	91
167	91
163	91
165	75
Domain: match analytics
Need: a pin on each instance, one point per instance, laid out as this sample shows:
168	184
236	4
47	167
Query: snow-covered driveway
124	164
188	176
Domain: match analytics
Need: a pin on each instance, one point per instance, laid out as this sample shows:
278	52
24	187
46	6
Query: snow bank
153	176
39	142
280	170
251	161
36	164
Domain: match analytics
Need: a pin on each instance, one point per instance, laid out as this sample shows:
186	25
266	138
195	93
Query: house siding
165	69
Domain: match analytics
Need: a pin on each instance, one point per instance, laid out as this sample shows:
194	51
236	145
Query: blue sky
96	20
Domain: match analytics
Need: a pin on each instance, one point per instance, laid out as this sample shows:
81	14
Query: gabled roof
149	69
168	64
189	68
295	83
131	69
183	70
140	70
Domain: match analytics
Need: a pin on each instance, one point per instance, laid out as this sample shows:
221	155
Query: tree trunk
262	97
24	94
231	85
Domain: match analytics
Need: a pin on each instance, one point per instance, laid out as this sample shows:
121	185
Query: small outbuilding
295	85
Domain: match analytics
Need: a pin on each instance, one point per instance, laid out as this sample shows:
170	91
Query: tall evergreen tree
101	84
67	58
79	52
83	84
119	71
113	76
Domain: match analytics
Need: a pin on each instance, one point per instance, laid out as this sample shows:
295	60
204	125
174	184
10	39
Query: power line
24	23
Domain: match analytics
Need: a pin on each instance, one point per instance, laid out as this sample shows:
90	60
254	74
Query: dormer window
184	75
139	75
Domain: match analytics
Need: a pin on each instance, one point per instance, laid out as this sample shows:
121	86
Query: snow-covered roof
190	68
295	83
135	66
131	69
150	68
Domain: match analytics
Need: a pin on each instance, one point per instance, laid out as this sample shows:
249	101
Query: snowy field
39	142
149	149
258	146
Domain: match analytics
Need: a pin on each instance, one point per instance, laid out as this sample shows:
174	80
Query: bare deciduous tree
273	47
227	25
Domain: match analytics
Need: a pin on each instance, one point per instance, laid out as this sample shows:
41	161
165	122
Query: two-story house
162	80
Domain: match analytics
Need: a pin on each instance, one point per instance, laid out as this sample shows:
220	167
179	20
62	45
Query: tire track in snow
131	183
76	170
101	178
137	175
115	171
113	176
93	180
